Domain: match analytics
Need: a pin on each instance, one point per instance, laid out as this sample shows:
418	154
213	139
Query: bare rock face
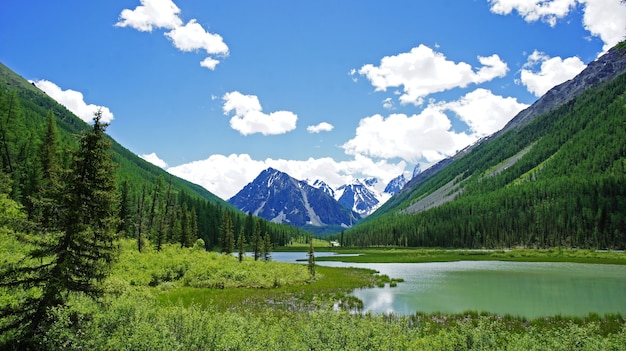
277	197
602	70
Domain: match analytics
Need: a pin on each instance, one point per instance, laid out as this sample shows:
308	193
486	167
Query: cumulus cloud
209	63
151	14
192	37
429	135
426	135
605	19
484	112
322	127
189	37
548	11
249	119
423	71
602	18
552	71
154	159
74	101
226	175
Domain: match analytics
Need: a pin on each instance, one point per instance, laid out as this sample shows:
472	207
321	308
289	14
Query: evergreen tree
124	214
45	205
241	245
226	233
77	257
160	235
267	247
311	262
256	243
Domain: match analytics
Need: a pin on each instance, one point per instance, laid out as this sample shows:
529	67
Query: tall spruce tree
267	247
241	245
311	254
78	255
256	241
226	233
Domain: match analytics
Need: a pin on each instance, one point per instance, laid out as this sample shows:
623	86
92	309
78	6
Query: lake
527	289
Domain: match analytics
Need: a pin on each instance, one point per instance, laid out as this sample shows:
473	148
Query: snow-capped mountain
276	196
396	184
361	196
320	184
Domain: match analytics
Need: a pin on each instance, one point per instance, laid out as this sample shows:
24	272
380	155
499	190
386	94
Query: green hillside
155	204
558	180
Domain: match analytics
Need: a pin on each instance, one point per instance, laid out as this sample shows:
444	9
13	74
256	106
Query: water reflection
526	289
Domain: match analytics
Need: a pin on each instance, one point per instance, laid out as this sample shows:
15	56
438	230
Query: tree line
568	189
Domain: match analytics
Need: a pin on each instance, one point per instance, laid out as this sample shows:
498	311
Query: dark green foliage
72	254
267	247
311	260
148	209
567	188
227	234
241	245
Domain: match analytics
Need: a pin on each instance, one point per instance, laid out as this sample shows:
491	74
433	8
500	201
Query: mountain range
555	175
280	198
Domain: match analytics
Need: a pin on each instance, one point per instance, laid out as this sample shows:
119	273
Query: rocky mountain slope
555	176
276	196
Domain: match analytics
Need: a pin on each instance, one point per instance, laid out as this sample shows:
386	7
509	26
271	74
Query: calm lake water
527	289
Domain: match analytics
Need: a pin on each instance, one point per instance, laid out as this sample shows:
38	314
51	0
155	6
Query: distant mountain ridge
280	198
598	72
554	176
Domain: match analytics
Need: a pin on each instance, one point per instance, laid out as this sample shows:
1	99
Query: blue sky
217	91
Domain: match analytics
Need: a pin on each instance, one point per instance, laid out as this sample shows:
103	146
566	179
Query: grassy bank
190	299
395	255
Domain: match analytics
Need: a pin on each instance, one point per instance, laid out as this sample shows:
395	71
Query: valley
102	250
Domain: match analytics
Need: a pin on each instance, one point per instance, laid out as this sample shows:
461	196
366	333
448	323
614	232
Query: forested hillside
151	203
559	180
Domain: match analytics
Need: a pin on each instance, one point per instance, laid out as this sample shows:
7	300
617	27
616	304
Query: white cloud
226	175
602	18
552	71
429	134
74	101
423	71
189	37
548	11
484	112
154	159
192	37
209	63
426	135
250	119
322	127
605	19
151	14
388	103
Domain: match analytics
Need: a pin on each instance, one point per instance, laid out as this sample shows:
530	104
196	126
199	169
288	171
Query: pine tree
124	214
311	254
241	244
77	257
256	243
45	205
267	247
226	233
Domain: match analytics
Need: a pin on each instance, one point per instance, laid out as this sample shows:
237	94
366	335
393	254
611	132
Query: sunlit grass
404	255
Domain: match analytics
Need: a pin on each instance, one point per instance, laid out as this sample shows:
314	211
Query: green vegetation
155	300
101	250
567	190
152	205
420	255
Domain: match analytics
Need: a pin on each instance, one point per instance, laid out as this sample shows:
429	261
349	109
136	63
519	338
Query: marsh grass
404	255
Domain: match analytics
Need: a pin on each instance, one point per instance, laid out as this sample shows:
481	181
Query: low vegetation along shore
187	298
408	255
